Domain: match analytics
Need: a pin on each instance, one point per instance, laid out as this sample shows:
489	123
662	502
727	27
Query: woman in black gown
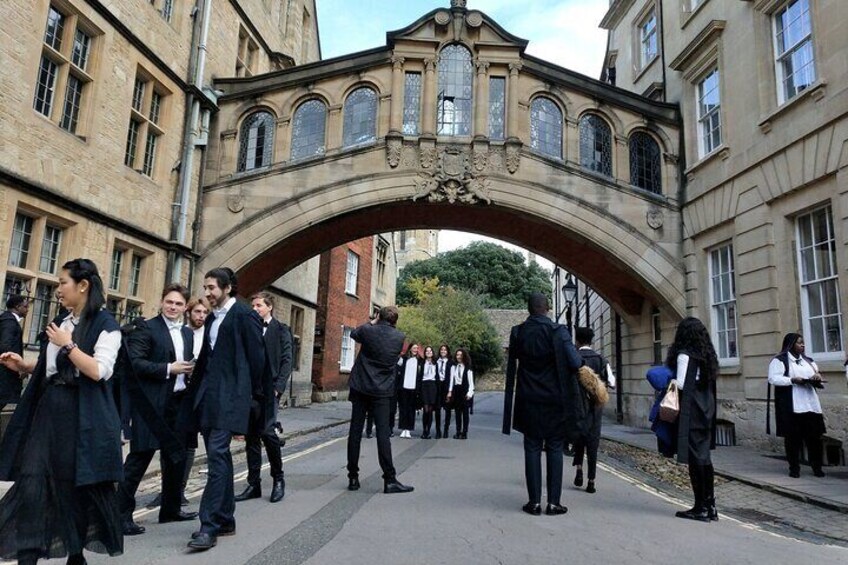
62	448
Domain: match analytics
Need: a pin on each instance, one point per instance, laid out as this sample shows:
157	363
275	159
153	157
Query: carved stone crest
235	202
481	159
394	145
513	157
452	180
654	218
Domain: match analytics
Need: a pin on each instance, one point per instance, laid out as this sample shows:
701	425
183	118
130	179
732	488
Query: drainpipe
191	139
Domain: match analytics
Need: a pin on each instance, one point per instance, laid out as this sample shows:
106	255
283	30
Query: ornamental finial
459	3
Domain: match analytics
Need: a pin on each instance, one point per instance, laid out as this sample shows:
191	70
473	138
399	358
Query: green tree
454	317
498	275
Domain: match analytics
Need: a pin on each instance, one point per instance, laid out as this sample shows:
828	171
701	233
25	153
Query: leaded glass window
308	130
411	103
256	142
456	83
546	127
595	145
645	168
360	117
497	107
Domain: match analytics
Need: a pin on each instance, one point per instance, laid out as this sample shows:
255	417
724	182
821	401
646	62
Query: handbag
670	404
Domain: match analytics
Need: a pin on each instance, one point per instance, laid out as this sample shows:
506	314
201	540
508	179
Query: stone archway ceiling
623	241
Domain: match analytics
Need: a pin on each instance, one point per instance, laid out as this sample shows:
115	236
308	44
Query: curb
782	491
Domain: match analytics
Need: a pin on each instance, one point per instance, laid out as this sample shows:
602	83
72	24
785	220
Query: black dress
46	513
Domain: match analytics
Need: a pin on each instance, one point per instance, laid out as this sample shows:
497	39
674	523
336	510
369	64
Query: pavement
764	470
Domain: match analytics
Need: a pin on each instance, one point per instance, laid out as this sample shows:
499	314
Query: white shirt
608	369
410	374
175	329
105	350
456	378
441	364
682	369
804	397
429	371
220	314
265	325
17	318
199	333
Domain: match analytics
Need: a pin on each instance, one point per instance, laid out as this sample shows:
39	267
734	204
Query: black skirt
45	513
429	393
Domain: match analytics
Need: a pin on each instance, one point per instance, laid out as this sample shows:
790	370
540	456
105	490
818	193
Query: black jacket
11	339
228	378
150	349
278	349
375	369
542	369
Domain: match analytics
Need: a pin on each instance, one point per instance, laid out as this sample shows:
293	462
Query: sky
564	32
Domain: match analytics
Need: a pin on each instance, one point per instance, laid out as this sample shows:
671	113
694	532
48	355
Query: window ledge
722	151
816	91
352	294
641	71
729	367
688	15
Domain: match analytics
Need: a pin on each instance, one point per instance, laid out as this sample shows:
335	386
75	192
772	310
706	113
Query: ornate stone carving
481	159
474	19
452	179
394	145
427	157
459	3
513	157
442	17
515	68
482	66
409	157
235	202
397	63
654	218
430	64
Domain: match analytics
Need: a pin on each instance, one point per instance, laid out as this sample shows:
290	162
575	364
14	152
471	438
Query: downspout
191	138
662	51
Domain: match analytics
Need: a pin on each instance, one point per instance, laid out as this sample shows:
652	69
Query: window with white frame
648	39
382	261
709	113
352	272
64	67
346	358
819	279
794	52
723	301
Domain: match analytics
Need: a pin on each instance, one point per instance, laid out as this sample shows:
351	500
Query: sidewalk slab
764	470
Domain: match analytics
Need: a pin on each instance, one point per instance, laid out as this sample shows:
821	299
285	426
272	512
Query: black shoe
77	559
711	510
353	484
202	542
794	473
223	532
438	434
555	509
457	436
279	490
395	486
698	513
249	492
590	487
130	528
369	436
463	435
533	508
155	502
178	517
578	478
818	473
425	436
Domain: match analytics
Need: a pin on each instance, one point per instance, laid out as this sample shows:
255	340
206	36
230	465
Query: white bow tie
173	325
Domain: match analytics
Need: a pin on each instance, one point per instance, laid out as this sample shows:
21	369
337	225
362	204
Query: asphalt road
466	509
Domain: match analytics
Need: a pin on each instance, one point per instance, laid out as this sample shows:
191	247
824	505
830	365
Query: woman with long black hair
461	390
798	412
429	392
63	446
411	369
443	365
692	358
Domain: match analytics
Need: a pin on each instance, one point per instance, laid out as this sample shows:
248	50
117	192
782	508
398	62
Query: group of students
160	381
434	384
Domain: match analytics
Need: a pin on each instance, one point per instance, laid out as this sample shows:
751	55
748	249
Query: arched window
308	130
595	145
256	143
645	168
546	127
456	83
360	117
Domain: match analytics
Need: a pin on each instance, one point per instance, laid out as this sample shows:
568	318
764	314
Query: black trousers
135	466
460	405
379	406
533	468
254	441
589	445
393	408
807	428
406	400
218	505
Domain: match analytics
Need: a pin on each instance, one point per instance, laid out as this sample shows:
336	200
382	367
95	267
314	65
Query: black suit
278	366
151	349
229	382
548	405
372	385
11	339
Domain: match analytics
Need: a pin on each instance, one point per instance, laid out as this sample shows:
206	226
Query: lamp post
569	294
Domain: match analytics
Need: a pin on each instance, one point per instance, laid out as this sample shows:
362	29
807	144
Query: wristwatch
68	348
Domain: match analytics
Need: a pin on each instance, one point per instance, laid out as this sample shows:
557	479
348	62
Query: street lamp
569	295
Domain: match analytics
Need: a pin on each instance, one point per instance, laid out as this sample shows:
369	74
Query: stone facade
104	113
775	161
415	245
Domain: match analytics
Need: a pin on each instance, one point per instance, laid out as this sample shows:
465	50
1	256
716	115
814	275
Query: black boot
698	511
76	559
251	491
709	492
279	490
394	486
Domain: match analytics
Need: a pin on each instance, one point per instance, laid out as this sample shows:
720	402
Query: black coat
228	378
98	450
375	370
542	369
150	349
275	377
697	413
11	339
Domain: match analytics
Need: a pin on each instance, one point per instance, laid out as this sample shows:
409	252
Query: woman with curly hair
461	390
692	358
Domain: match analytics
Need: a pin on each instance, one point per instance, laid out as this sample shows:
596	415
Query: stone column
512	101
282	140
229	153
396	116
571	141
481	102
334	128
428	113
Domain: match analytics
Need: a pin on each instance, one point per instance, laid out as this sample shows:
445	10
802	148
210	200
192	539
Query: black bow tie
265	324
